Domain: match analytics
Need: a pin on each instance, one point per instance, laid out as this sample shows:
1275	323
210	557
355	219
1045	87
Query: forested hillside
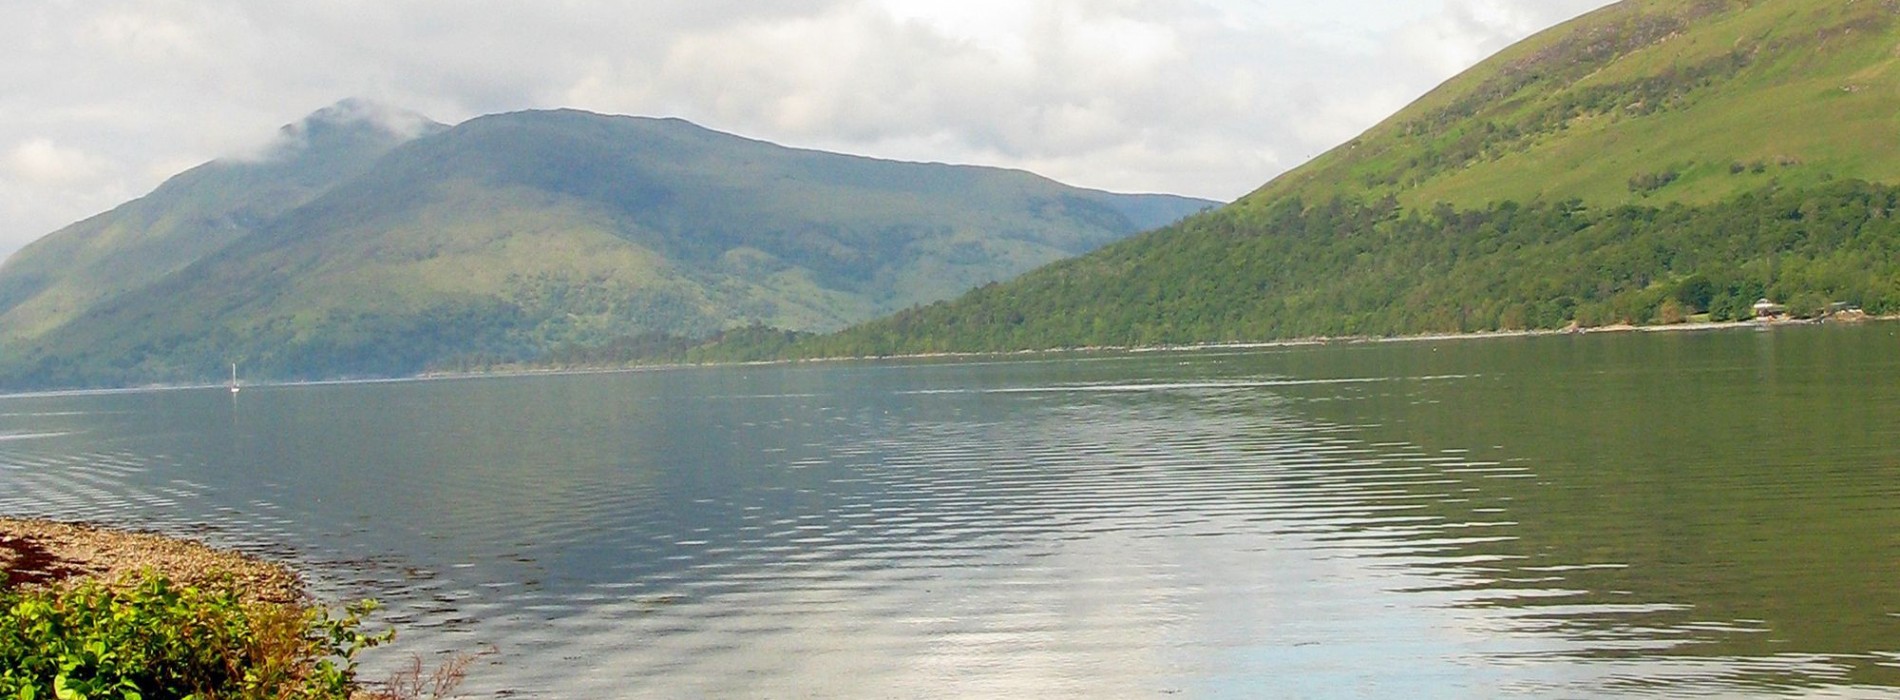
1351	268
1648	162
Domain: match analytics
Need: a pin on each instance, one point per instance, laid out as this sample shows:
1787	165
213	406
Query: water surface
1642	515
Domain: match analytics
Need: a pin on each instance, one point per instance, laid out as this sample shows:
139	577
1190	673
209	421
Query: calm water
1656	515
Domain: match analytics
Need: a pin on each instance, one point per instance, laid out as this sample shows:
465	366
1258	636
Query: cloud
1194	96
399	124
1038	85
1469	30
45	184
42	162
1205	97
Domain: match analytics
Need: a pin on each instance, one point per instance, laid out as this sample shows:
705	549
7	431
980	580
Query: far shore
1314	341
582	370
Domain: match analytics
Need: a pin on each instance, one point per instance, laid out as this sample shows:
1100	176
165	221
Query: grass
1818	85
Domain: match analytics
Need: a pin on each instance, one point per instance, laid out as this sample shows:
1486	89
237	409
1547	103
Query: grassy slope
1814	96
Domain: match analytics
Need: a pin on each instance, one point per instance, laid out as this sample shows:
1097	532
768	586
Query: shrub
1646	183
148	638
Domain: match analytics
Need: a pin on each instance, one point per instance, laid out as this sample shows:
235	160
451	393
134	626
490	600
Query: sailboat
234	381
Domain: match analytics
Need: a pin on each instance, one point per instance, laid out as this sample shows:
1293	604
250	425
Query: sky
1211	98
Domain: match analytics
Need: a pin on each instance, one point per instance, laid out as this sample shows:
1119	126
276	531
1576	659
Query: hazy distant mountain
375	243
1645	163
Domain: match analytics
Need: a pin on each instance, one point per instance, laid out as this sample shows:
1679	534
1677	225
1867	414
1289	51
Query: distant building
1768	309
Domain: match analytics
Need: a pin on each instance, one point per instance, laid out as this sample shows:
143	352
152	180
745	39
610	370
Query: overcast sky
107	98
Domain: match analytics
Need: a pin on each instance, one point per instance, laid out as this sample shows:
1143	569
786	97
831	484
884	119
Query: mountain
58	277
370	251
1650	162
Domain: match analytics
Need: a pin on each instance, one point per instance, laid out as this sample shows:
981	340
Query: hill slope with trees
1648	162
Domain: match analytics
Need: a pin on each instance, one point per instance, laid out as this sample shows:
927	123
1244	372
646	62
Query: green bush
153	639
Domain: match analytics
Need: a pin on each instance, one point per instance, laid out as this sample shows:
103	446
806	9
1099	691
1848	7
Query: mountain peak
348	123
360	111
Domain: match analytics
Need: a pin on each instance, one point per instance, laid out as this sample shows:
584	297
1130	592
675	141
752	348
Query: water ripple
852	532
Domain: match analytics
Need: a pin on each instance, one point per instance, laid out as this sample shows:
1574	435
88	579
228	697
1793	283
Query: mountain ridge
509	236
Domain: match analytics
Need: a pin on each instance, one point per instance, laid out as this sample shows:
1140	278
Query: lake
1606	515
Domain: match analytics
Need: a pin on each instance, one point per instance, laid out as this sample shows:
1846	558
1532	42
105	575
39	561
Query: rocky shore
44	552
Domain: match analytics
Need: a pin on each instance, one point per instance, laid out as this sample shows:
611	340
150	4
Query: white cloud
1467	31
990	25
44	185
42	162
144	34
1206	97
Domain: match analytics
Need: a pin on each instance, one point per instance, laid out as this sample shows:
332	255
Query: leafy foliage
751	344
155	640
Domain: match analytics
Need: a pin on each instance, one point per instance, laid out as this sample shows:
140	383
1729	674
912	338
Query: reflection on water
1639	515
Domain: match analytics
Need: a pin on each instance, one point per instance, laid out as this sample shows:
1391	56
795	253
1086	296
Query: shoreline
214	620
1313	341
40	553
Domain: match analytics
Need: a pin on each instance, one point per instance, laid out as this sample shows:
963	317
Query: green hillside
520	237
1648	162
192	215
1643	102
